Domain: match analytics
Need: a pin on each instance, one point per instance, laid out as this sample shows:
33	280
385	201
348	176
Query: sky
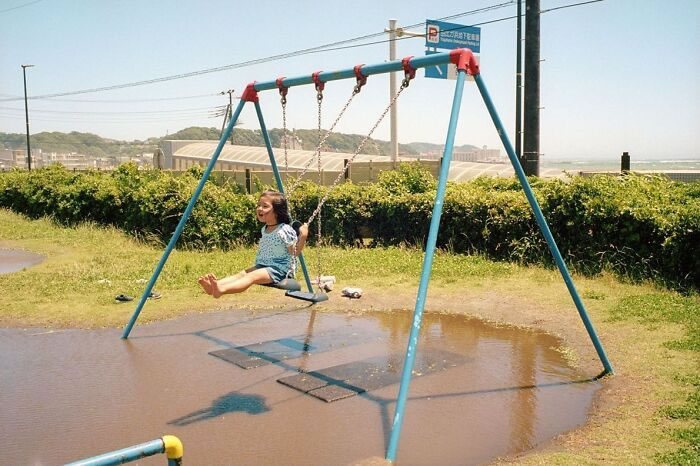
616	75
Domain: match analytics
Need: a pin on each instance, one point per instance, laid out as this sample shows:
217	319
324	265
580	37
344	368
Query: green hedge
639	227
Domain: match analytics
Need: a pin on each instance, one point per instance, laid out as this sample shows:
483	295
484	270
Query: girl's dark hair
279	206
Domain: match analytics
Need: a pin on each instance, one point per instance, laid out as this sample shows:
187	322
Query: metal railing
168	444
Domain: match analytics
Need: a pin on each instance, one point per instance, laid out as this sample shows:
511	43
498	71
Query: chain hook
408	70
283	90
361	79
319	85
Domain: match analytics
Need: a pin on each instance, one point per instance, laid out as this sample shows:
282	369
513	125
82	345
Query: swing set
465	63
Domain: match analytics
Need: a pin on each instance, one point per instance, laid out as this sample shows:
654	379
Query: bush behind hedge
640	227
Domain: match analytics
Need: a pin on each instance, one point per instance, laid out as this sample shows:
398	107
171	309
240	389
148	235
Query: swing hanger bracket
465	60
318	84
408	70
283	89
250	94
361	78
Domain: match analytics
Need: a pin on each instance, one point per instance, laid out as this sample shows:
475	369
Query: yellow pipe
173	447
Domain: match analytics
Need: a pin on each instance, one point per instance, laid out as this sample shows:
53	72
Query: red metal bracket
408	70
361	78
283	89
317	81
250	94
465	60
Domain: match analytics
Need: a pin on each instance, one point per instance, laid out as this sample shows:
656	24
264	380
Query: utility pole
519	85
392	90
395	32
26	116
229	111
531	139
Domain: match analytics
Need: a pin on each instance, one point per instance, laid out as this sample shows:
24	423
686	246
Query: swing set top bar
463	58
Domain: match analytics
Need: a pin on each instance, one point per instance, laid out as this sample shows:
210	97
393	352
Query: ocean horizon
654	164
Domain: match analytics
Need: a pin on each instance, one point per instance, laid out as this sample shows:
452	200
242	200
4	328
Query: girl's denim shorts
276	275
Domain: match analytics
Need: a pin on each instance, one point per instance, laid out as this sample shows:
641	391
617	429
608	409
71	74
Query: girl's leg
257	276
232	278
206	281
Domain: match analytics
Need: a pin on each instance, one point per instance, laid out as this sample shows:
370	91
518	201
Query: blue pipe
543	225
425	273
183	220
124	455
280	185
367	70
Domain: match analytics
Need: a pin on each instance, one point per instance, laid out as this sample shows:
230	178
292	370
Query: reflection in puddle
72	394
14	260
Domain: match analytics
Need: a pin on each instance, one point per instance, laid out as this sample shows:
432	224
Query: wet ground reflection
14	260
71	394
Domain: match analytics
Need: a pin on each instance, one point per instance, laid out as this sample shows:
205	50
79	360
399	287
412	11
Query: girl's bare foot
216	291
204	283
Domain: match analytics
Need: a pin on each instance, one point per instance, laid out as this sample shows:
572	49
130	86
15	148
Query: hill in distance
88	143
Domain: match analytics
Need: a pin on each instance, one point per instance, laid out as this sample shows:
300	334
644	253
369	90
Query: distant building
10	158
483	155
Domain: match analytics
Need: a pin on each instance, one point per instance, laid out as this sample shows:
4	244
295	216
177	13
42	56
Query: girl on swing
274	258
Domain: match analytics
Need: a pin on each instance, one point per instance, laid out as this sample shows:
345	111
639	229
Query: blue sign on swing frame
442	35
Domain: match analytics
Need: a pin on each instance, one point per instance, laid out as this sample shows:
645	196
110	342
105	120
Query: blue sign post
442	35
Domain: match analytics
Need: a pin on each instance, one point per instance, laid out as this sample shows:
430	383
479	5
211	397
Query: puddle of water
14	260
72	394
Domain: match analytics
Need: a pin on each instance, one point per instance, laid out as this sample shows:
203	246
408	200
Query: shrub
639	227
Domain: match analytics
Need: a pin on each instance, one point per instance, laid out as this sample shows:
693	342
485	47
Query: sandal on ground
154	295
122	298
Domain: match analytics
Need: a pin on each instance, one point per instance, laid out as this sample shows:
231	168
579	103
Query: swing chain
298	179
319	98
285	143
340	176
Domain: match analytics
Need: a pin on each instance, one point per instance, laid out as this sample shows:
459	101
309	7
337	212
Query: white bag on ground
353	293
326	282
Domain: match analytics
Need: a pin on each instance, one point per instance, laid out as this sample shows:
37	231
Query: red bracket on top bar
361	78
409	71
283	89
250	94
465	60
319	84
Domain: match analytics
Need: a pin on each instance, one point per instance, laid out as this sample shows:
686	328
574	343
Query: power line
333	46
183	110
118	101
569	6
321	48
19	6
115	120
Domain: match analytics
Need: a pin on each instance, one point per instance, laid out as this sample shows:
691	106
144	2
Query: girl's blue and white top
272	250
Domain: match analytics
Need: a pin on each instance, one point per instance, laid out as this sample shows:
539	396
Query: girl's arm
301	241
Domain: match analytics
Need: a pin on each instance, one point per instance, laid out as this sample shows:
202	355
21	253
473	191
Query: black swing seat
288	284
306	296
293	290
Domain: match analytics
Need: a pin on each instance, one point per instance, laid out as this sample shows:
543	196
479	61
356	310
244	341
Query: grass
88	265
652	335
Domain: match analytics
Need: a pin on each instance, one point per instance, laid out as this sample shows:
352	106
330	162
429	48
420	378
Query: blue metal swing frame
465	62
